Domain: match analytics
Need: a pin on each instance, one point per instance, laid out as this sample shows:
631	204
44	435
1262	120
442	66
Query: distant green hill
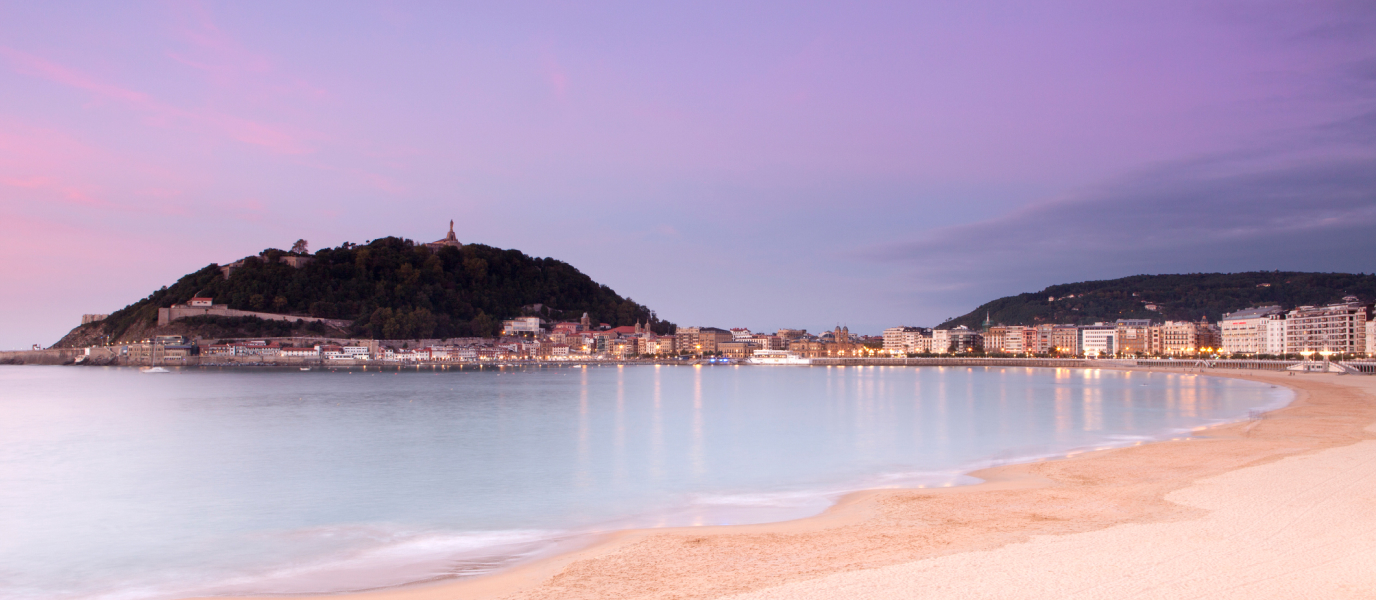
393	288
1177	297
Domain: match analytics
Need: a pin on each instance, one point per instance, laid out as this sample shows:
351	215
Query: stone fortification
182	311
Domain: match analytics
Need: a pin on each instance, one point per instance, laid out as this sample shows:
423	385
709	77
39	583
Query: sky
732	164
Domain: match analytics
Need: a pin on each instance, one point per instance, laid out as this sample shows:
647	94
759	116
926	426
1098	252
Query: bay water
121	484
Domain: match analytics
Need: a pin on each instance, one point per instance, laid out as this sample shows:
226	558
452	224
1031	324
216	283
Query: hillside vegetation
393	288
1177	297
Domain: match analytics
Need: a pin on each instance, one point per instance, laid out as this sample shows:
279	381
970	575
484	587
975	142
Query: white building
521	325
902	340
1245	331
1275	335
739	334
957	339
1371	338
1339	328
1099	339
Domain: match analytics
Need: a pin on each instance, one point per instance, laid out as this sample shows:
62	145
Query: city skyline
869	164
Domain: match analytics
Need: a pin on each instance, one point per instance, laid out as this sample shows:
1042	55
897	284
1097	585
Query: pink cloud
219	53
160	114
29	64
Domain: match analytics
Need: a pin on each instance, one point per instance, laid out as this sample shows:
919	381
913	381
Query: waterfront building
1275	334
808	348
741	333
1175	337
736	348
956	339
1099	339
767	342
903	340
993	337
1339	328
1371	336
1018	339
707	338
1134	336
294	352
1246	331
1064	339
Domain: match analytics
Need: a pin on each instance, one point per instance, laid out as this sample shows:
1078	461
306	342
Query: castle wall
168	315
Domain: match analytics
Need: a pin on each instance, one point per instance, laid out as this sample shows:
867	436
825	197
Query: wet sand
1281	506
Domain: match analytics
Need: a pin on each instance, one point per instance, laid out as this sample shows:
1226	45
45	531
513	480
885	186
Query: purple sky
764	165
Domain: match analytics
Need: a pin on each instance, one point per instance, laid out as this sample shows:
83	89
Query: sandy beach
1283	506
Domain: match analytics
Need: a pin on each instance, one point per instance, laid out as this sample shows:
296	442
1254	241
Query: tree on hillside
393	288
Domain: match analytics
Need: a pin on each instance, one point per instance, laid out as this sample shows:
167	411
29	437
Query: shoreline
878	528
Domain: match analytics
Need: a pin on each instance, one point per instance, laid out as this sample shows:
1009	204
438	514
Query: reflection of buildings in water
583	477
695	452
657	431
1092	406
1063	407
1189	400
620	437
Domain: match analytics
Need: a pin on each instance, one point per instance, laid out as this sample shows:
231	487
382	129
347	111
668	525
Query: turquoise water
120	484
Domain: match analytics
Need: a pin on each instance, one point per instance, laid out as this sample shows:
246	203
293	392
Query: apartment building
1246	331
1337	328
1134	336
1064	339
1018	339
1175	337
903	340
993	339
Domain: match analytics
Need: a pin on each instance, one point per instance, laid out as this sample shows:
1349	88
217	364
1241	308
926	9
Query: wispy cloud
276	138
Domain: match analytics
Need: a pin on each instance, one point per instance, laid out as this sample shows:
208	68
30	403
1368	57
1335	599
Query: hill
1176	297
391	288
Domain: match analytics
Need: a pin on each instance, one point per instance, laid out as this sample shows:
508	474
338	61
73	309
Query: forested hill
1177	297
393	288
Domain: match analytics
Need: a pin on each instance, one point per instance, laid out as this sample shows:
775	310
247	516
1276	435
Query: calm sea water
120	484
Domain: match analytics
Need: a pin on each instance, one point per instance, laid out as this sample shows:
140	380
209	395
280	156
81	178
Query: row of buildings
580	339
1345	328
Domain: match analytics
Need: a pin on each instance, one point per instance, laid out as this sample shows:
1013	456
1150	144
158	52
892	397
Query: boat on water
777	357
305	368
153	370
